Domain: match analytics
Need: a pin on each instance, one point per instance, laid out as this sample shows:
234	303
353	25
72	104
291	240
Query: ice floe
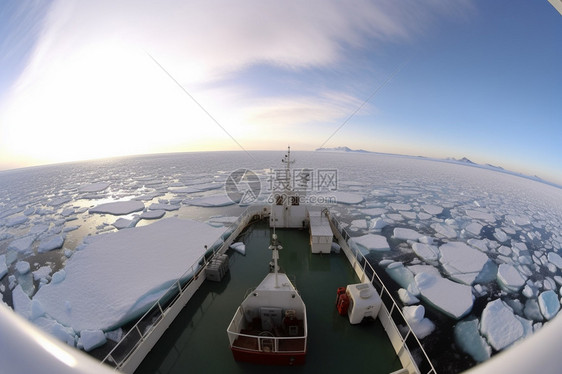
371	242
90	339
451	298
415	316
239	247
94	187
153	214
211	201
549	304
510	278
468	337
462	262
50	243
426	252
22	267
118	207
125	272
500	325
406	234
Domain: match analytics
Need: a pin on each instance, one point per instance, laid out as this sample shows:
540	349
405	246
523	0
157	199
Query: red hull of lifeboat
269	358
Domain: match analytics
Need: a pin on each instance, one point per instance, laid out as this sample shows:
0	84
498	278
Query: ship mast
275	247
288	162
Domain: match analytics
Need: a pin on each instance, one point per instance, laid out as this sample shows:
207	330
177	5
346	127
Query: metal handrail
219	246
384	291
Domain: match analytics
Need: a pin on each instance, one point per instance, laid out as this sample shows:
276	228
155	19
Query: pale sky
477	79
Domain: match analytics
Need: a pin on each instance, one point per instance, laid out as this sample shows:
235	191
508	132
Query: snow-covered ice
451	298
426	251
415	316
510	278
406	297
22	244
160	206
462	262
153	214
445	230
406	234
94	187
555	259
468	337
90	339
50	243
549	304
239	247
371	242
118	207
500	326
3	266
125	272
211	201
22	267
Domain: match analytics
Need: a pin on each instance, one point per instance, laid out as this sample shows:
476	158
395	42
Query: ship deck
197	340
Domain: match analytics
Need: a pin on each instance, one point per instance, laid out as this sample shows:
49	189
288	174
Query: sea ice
451	298
94	187
415	317
432	209
153	214
462	262
346	197
549	304
21	302
22	245
124	223
239	247
90	339
371	242
57	201
445	230
118	207
474	228
373	211
160	206
426	252
378	224
406	234
53	328
22	267
555	258
42	273
510	278
469	339
406	297
500	235
532	310
3	266
15	220
50	243
481	215
359	224
125	272
211	201
499	325
399	206
401	275
58	276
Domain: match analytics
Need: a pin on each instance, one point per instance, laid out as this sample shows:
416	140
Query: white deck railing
236	325
406	340
175	297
